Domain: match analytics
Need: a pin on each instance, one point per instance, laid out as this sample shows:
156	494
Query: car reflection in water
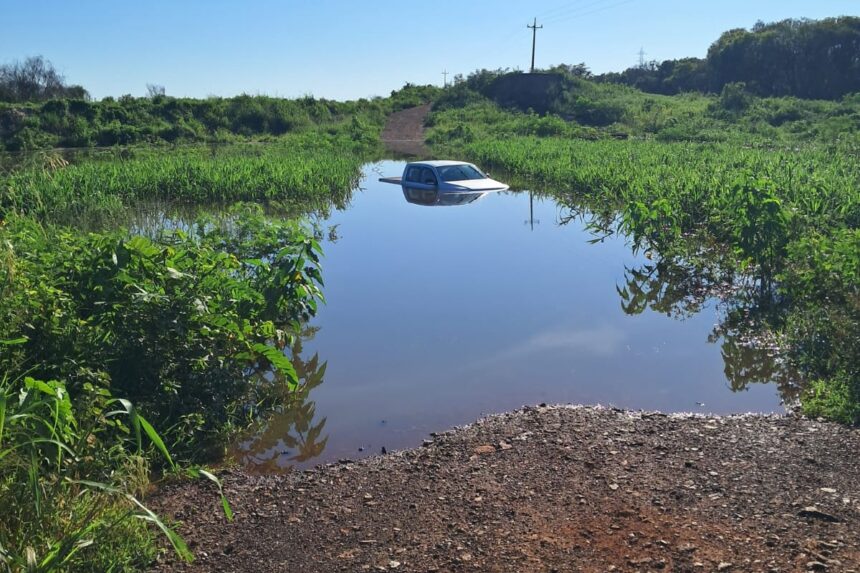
436	198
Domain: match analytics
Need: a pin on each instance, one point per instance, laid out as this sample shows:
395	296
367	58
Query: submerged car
445	177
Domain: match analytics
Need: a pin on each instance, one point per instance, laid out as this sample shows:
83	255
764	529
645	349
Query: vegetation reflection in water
292	433
680	289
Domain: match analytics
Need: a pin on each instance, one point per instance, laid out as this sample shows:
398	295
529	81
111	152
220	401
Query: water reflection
437	198
680	289
293	433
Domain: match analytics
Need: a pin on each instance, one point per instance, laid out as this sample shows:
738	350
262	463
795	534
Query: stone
814	513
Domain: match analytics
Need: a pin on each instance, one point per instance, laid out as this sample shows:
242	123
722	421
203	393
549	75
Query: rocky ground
550	489
404	131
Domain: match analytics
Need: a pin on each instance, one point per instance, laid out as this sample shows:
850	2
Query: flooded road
438	314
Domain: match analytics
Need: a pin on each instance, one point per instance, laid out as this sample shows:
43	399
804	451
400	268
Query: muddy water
436	315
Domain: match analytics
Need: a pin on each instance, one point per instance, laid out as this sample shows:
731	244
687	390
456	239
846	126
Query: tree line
811	59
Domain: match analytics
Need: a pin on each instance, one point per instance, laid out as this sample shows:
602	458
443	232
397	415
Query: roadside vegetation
62	121
583	109
123	355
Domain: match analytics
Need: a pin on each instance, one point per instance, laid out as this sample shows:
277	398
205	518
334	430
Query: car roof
440	163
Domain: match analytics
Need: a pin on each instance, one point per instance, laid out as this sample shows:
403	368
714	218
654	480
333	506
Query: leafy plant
59	482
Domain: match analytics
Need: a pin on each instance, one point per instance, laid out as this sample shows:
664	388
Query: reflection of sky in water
435	316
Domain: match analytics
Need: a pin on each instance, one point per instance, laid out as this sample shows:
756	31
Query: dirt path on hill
404	131
551	489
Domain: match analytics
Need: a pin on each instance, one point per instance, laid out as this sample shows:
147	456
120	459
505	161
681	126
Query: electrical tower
534	28
641	53
445	76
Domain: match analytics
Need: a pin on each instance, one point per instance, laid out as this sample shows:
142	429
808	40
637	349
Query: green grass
309	170
590	110
164	120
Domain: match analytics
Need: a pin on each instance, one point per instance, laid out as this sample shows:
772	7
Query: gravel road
550	489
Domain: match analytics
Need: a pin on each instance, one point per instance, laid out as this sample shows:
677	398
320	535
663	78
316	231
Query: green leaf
14	341
278	361
2	414
225	504
137	422
156	439
148	515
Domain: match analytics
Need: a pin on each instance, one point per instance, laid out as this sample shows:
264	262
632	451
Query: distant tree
579	70
804	58
154	90
35	79
817	59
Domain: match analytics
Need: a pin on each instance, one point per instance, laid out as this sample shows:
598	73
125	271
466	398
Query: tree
35	79
154	90
813	59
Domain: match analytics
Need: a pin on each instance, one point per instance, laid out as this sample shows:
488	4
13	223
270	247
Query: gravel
549	489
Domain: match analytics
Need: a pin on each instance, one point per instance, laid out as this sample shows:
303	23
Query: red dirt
404	131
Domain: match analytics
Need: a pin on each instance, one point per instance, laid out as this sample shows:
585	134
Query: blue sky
349	49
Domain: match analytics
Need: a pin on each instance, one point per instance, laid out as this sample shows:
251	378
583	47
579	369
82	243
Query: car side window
427	176
413	174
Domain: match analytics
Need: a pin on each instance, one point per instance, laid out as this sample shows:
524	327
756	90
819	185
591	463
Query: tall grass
301	170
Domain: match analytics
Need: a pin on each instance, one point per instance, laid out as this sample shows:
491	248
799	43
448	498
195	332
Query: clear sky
346	49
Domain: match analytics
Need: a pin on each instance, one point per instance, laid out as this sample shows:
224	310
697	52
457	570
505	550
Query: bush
187	327
735	97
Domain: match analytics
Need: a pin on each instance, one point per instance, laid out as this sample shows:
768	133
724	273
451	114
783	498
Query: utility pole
641	53
445	75
534	28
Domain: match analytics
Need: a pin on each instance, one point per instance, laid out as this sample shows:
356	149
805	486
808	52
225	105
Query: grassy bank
587	110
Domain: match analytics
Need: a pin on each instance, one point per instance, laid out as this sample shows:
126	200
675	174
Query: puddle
437	315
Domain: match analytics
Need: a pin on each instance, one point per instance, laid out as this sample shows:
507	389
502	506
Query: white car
445	177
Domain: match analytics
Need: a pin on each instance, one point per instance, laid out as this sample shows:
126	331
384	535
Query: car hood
475	185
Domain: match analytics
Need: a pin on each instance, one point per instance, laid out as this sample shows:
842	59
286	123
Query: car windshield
459	173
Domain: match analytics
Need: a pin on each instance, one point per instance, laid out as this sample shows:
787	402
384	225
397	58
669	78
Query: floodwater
437	315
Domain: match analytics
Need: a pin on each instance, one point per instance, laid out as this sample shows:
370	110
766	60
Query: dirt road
404	131
552	489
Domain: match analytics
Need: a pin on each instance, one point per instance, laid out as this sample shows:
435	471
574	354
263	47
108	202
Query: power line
560	8
572	10
534	28
588	12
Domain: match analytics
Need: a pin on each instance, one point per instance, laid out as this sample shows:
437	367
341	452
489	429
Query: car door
424	178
